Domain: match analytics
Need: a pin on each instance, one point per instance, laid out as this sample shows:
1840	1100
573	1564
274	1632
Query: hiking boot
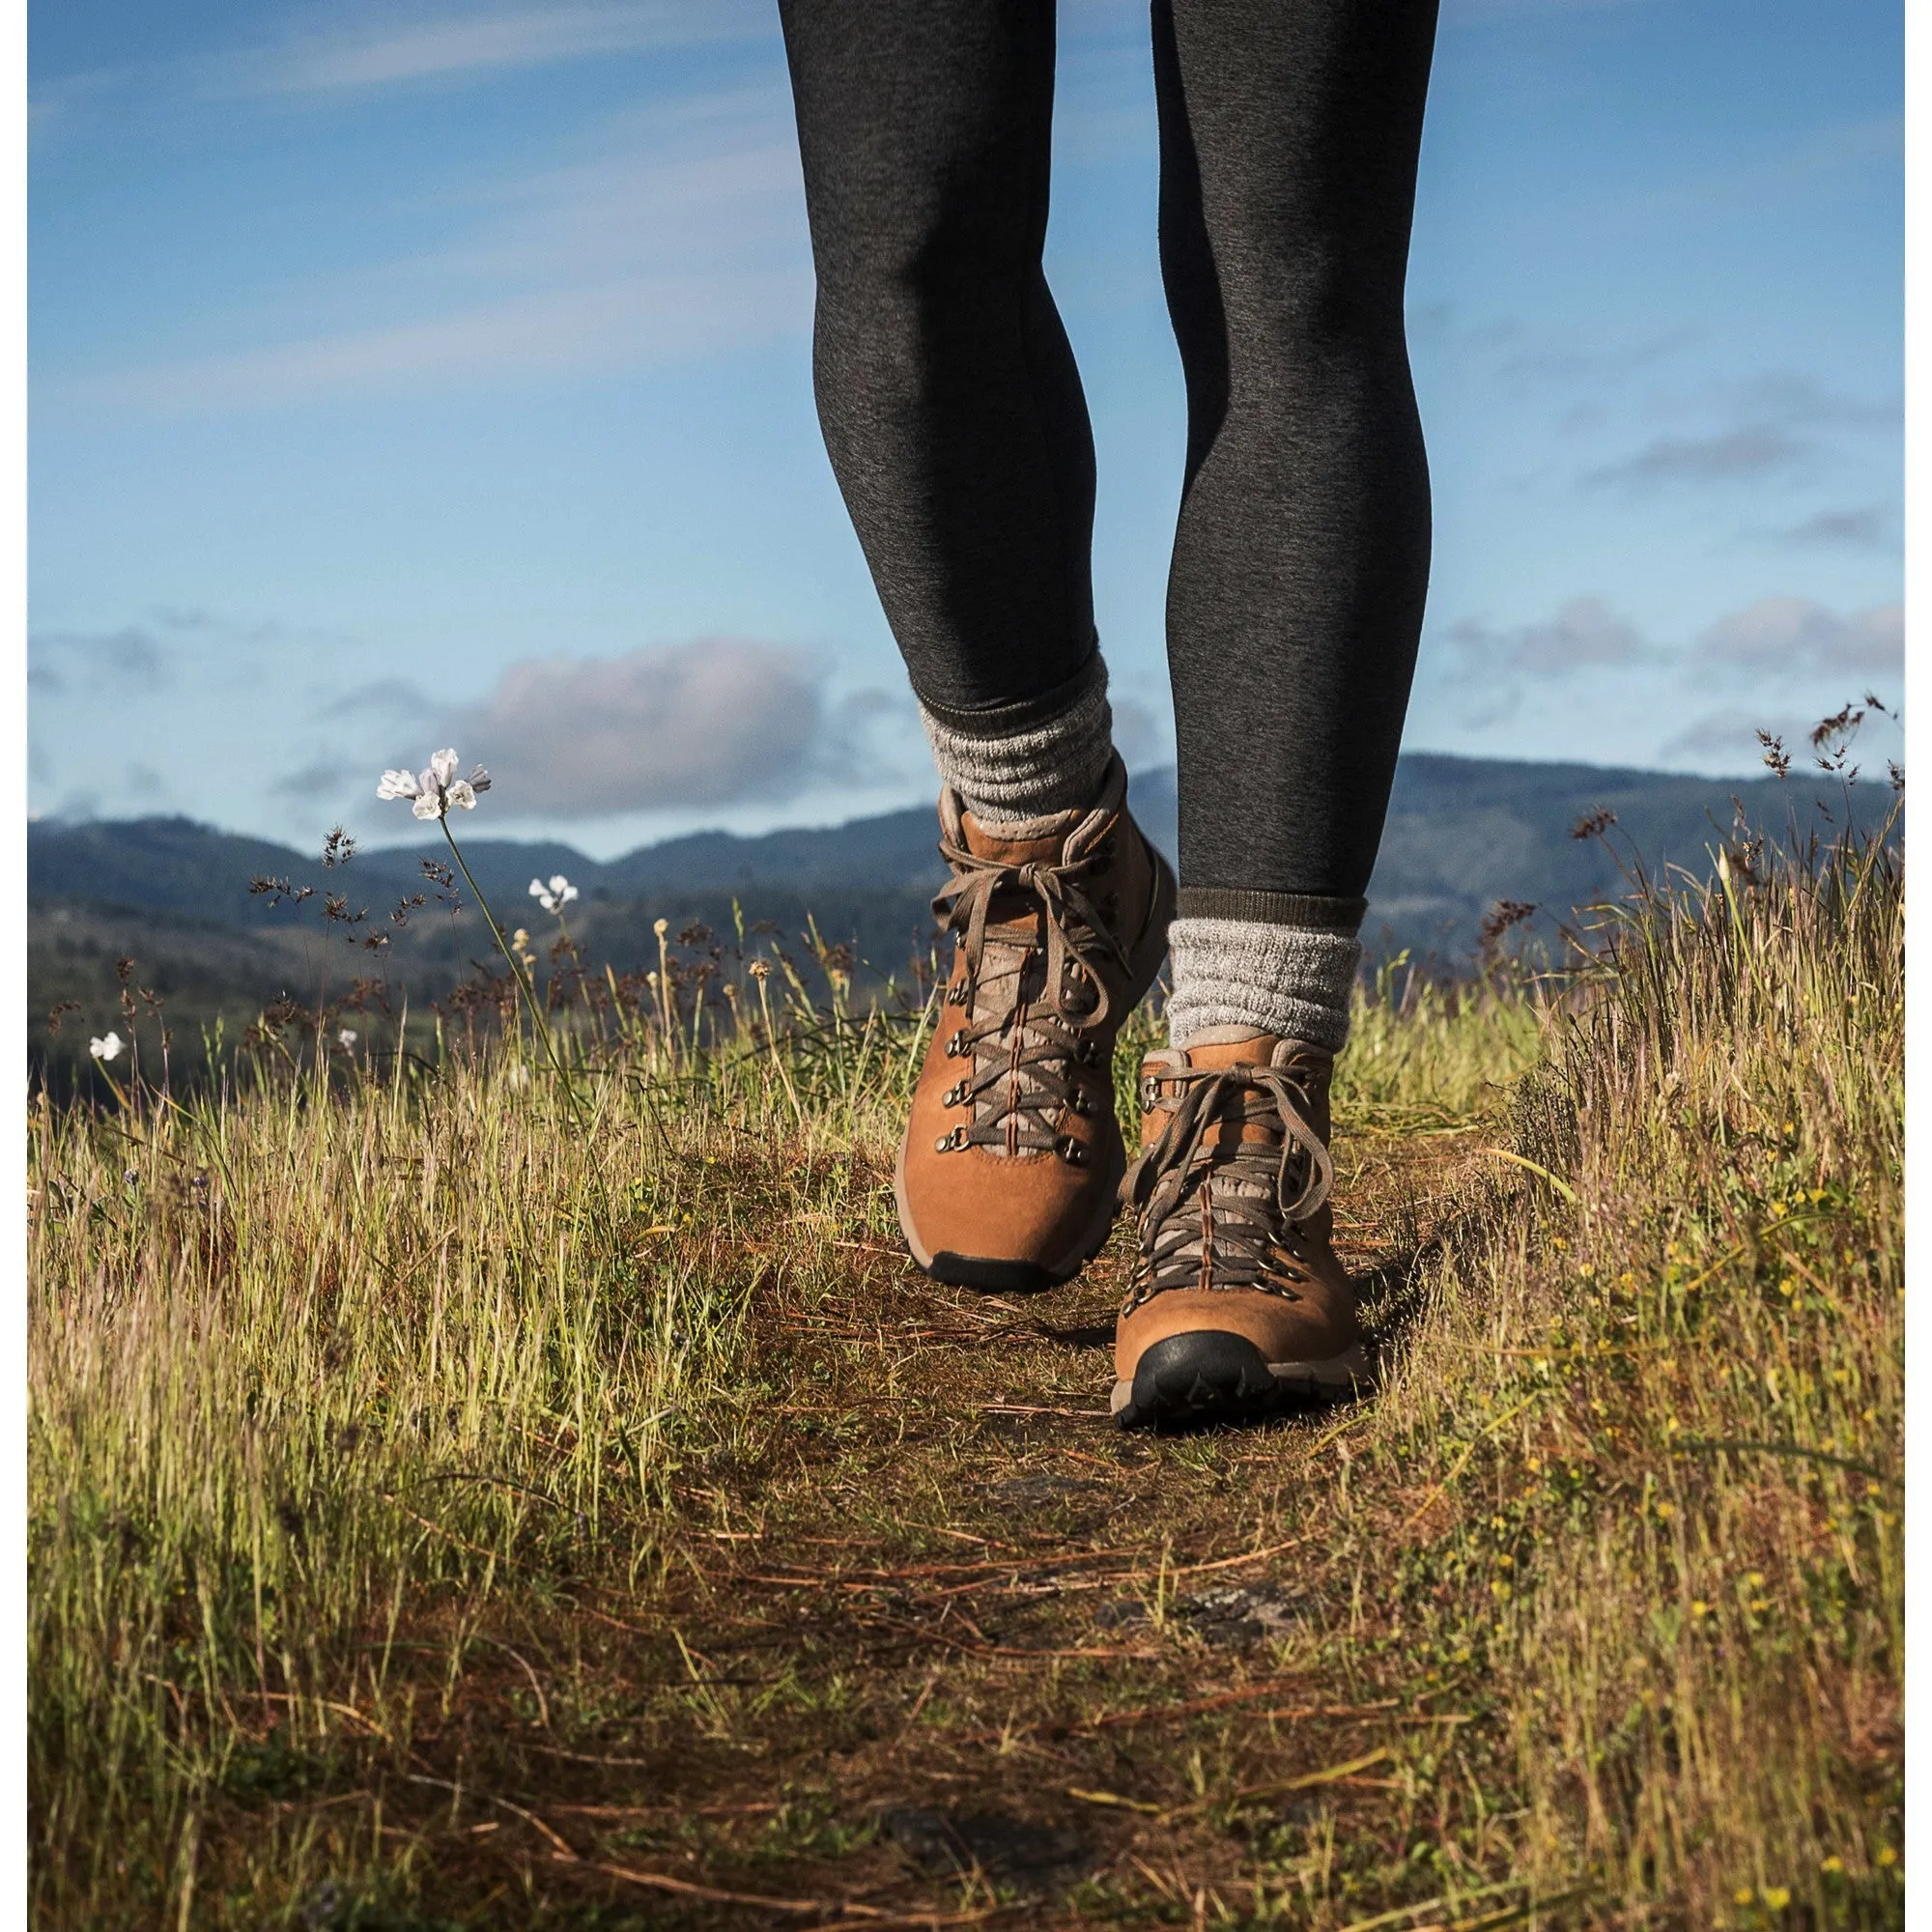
1239	1298
1008	1176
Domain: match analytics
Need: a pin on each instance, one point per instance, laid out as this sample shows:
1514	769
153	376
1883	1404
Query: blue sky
413	374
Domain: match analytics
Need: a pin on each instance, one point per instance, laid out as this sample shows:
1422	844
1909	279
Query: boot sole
1210	1376
995	1274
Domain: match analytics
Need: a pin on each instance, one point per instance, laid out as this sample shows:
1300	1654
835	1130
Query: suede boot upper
1012	1155
1236	1231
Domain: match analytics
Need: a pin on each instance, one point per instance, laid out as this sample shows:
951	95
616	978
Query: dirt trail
934	1642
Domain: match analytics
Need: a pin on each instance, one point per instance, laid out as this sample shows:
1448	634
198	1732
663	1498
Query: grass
446	1514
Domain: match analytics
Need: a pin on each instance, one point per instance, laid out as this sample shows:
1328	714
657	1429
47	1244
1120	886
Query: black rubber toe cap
1209	1375
991	1277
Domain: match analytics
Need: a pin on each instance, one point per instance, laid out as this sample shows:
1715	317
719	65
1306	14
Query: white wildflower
554	897
346	1036
434	789
107	1047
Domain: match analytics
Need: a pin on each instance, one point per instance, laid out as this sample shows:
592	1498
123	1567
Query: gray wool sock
1279	962
1028	760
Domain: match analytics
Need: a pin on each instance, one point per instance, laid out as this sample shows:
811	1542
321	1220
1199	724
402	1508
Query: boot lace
1042	995
1214	1220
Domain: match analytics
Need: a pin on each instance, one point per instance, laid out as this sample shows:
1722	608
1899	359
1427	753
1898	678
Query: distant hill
173	894
1462	834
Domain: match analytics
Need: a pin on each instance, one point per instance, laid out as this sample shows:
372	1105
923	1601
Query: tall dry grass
323	1364
330	1366
1661	1378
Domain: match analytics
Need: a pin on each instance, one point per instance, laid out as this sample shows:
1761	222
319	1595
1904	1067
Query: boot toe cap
1006	1226
1207	1375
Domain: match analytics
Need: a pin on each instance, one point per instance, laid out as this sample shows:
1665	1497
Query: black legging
956	427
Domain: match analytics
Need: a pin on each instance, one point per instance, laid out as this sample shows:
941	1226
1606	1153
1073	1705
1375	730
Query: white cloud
632	323
1733	738
1792	635
1496	664
709	722
684	238
1861	529
1753	451
1776	421
1585	633
395	697
319	777
1788	397
325	53
380	48
710	182
95	663
1729	738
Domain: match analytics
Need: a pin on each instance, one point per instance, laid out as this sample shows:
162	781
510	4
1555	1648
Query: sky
438	373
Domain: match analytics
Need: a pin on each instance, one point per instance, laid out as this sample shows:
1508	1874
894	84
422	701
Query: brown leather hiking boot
1238	1297
1009	1173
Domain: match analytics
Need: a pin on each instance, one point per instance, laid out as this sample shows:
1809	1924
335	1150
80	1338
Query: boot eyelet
950	1142
954	1097
952	1047
1073	1152
1079	1102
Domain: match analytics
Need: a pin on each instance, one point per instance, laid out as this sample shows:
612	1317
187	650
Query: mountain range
168	900
1463	834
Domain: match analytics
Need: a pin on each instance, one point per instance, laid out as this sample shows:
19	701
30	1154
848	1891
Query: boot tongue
1211	1054
1216	1056
1027	841
1011	971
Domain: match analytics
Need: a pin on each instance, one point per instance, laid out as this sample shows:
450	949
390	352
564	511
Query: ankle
1021	763
1264	963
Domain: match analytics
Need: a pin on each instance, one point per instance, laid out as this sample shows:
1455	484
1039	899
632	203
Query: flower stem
521	978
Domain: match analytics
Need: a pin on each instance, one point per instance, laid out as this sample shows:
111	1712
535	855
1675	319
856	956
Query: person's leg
1289	132
951	408
955	424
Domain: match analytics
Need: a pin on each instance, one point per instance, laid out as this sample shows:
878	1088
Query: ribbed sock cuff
1271	908
1294	981
1027	760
